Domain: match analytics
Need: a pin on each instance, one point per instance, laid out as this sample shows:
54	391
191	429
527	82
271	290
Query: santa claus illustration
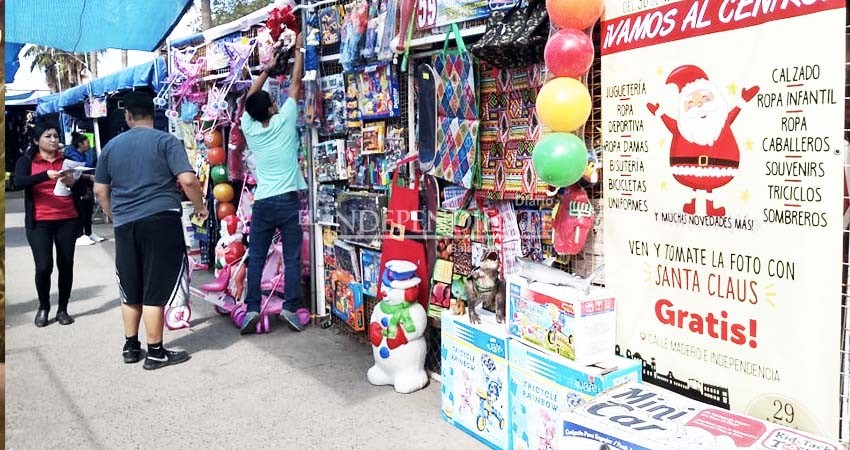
703	152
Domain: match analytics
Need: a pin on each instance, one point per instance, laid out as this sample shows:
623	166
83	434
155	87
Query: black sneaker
170	358
132	353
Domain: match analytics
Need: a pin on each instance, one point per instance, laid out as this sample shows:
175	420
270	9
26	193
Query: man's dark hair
258	104
139	104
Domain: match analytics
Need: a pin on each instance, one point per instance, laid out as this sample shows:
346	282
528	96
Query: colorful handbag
509	130
456	158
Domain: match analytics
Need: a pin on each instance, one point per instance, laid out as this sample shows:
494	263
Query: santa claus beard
702	125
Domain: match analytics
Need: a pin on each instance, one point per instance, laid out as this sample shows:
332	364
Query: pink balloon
569	53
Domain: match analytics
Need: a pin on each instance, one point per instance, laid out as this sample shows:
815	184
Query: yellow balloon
563	104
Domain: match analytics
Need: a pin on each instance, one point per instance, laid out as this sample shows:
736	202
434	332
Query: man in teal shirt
272	137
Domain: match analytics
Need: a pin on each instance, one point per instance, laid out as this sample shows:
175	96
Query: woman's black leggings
86	211
62	234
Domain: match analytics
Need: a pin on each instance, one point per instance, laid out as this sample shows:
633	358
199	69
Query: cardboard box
543	386
646	417
474	373
562	320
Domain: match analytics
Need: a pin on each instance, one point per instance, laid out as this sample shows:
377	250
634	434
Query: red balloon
576	14
216	156
569	53
225	209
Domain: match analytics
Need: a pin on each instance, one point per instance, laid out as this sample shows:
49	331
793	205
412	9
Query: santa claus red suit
704	154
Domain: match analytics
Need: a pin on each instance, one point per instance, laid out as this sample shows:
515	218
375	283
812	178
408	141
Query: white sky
108	63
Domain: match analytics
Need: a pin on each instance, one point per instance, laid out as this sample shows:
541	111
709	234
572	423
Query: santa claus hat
688	79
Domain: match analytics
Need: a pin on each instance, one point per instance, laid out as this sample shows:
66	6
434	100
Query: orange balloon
225	209
216	156
223	192
576	14
213	139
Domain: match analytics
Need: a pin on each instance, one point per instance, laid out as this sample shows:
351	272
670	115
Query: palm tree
206	14
62	69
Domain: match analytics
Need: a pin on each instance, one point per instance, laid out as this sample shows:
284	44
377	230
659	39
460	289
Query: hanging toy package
386	29
353	32
311	44
368	51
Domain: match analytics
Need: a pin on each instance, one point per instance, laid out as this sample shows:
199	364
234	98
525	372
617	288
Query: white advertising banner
723	155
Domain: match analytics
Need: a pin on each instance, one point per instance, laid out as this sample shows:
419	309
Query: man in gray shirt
136	184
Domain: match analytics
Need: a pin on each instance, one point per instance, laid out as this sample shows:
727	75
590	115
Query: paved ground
67	387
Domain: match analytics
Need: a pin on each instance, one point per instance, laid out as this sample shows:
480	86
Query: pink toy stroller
271	288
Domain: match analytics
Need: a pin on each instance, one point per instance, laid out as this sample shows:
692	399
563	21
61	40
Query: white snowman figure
396	331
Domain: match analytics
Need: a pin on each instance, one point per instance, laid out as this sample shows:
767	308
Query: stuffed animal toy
484	286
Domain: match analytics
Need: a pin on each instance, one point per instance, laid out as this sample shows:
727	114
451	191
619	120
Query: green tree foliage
225	11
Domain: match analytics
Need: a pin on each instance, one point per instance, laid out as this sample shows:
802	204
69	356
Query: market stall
511	197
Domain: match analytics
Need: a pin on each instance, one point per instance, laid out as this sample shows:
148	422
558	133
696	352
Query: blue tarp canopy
25	98
12	62
49	104
150	74
87	25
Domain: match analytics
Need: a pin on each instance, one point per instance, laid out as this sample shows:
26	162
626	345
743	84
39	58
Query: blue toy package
370	261
353	33
379	95
348	304
542	387
474	375
311	45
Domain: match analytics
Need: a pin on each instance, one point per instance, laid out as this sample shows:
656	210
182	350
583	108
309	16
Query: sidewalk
67	386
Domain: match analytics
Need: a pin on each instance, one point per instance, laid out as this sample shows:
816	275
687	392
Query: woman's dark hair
258	104
77	139
37	132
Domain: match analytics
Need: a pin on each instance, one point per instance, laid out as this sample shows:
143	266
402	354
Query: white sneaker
94	237
84	240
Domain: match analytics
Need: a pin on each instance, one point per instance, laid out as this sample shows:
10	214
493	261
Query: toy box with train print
474	374
646	417
542	386
562	320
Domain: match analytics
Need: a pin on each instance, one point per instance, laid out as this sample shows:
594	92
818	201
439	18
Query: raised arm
258	83
297	68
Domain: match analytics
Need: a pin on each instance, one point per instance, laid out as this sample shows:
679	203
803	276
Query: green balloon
560	159
218	174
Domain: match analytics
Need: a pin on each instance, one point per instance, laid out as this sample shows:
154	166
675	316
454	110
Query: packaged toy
333	104
373	138
474	374
646	417
370	262
379	96
562	320
543	387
